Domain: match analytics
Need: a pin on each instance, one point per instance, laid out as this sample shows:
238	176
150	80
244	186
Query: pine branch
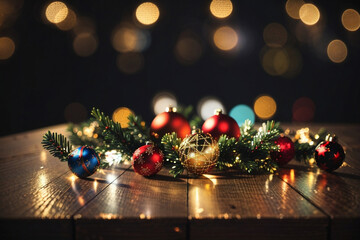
138	129
170	144
228	148
86	133
57	145
114	136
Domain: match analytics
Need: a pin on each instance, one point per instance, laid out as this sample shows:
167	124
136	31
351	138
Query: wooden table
41	199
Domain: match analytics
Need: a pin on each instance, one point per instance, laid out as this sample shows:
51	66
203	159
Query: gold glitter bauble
199	153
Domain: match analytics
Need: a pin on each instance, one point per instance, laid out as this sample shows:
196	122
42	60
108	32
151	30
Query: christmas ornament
199	152
286	151
83	161
329	155
220	124
168	122
147	160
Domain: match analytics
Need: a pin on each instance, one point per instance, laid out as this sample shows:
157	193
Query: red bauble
329	155
220	124
168	122
286	151
147	160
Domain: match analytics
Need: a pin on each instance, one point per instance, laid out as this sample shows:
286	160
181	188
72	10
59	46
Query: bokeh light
225	38
75	112
147	13
275	61
7	48
85	44
337	51
292	8
9	12
303	110
130	63
69	22
309	14
188	49
275	35
84	25
207	106
241	113
350	19
56	12
163	100
221	8
265	107
121	115
128	39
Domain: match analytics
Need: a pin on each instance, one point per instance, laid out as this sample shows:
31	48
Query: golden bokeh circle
7	48
350	20
225	38
121	115
85	44
265	107
221	8
147	13
292	8
56	12
275	35
309	14
337	51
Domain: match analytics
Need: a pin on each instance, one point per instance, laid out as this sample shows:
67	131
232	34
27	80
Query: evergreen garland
250	153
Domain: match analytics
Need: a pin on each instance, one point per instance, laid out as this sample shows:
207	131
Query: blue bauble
83	161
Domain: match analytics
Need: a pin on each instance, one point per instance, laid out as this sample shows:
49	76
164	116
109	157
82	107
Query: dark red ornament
147	160
168	122
329	155
220	124
286	151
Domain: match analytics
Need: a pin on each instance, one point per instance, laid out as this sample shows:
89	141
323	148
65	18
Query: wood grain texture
138	208
336	193
242	206
39	190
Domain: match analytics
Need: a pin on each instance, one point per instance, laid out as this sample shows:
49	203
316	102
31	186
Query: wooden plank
138	208
337	193
250	207
56	203
38	192
26	142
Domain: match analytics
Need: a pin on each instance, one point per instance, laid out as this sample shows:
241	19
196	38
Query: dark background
45	75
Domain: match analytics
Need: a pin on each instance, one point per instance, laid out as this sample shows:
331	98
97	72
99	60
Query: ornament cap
149	143
170	108
196	130
218	111
331	138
